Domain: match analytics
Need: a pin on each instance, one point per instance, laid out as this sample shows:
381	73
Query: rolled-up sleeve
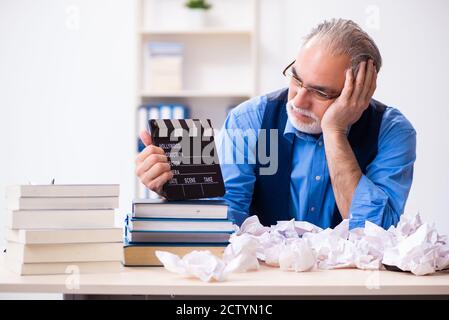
382	192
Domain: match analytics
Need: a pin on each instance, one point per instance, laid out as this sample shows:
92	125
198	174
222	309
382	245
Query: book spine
179	111
141	126
165	111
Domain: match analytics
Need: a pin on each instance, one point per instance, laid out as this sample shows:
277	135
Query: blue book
139	236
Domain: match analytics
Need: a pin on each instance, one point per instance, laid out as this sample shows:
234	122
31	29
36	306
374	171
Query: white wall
67	93
412	37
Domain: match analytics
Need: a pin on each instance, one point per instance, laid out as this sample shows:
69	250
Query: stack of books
163	64
56	229
178	227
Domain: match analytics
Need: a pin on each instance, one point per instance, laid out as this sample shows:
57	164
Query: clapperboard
190	147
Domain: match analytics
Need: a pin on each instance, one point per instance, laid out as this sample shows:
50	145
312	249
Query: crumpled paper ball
301	246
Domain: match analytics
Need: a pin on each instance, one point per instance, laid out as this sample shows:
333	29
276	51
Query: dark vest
271	195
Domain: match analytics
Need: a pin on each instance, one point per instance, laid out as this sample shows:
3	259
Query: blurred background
77	76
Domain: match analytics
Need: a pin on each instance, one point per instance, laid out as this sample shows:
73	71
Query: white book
195	209
40	203
180	225
75	252
64	267
47	236
165	73
63	190
59	219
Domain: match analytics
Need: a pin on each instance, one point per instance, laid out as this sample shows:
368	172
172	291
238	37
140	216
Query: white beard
310	128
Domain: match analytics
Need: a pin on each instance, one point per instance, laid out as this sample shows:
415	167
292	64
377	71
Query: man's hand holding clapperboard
180	160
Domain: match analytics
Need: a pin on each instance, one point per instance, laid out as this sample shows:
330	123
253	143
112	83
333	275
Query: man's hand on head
353	101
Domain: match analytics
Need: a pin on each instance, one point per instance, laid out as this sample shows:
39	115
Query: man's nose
302	99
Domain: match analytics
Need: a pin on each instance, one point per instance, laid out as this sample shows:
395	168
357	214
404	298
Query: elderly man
340	154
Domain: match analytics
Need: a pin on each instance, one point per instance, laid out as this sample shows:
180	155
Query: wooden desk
266	282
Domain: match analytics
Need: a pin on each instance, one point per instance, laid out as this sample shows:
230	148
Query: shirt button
320	143
312	209
318	178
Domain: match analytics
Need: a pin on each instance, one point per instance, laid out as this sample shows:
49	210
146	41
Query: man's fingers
150	161
150	149
349	85
146	138
373	83
157	170
365	94
157	184
359	81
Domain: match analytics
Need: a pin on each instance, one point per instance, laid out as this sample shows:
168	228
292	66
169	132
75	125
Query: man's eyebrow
316	87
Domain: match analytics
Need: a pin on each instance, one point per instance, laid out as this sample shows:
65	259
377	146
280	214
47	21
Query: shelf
196	94
193	32
219	60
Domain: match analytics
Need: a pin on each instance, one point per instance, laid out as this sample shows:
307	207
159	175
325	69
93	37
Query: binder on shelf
145	113
165	111
142	120
153	113
179	111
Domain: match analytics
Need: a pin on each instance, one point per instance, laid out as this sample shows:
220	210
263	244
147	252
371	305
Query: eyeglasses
318	94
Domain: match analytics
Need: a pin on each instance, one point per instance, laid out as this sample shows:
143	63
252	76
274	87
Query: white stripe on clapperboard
208	131
193	125
163	130
178	129
193	130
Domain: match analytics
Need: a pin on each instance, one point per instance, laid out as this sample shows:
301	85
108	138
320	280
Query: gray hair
342	36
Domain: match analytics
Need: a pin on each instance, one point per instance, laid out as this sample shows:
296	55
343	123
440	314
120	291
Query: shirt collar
290	132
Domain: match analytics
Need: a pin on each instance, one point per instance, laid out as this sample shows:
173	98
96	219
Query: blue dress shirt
379	197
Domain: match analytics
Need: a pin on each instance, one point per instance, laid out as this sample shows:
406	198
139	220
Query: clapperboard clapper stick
190	147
